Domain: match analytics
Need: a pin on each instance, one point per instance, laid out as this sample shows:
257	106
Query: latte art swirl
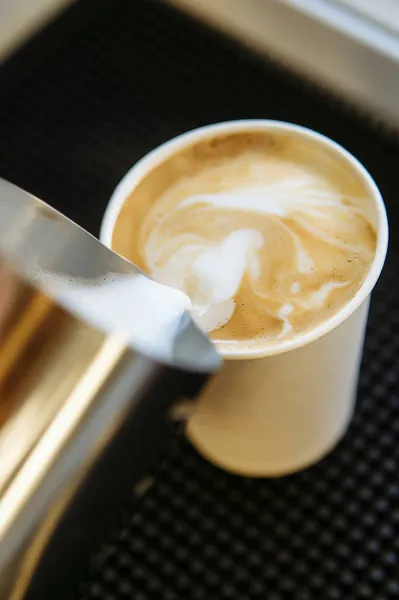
265	246
283	249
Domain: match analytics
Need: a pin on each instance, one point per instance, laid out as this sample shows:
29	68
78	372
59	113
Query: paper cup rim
136	173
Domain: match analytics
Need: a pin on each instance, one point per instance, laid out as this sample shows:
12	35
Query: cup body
275	415
274	412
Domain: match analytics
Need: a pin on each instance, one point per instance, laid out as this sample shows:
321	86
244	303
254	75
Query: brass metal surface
55	371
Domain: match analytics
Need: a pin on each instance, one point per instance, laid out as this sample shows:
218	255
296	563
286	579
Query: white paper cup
274	411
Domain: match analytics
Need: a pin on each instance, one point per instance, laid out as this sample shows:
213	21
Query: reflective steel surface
60	257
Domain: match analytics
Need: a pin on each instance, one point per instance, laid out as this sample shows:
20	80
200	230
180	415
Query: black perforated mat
83	101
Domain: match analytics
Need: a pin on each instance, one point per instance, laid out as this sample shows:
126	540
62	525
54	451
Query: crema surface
267	242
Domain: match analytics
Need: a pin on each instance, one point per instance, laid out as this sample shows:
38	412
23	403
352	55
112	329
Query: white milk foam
211	272
216	273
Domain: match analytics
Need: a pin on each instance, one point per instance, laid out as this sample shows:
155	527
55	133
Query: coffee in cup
266	239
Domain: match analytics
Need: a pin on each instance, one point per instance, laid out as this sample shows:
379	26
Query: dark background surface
79	105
